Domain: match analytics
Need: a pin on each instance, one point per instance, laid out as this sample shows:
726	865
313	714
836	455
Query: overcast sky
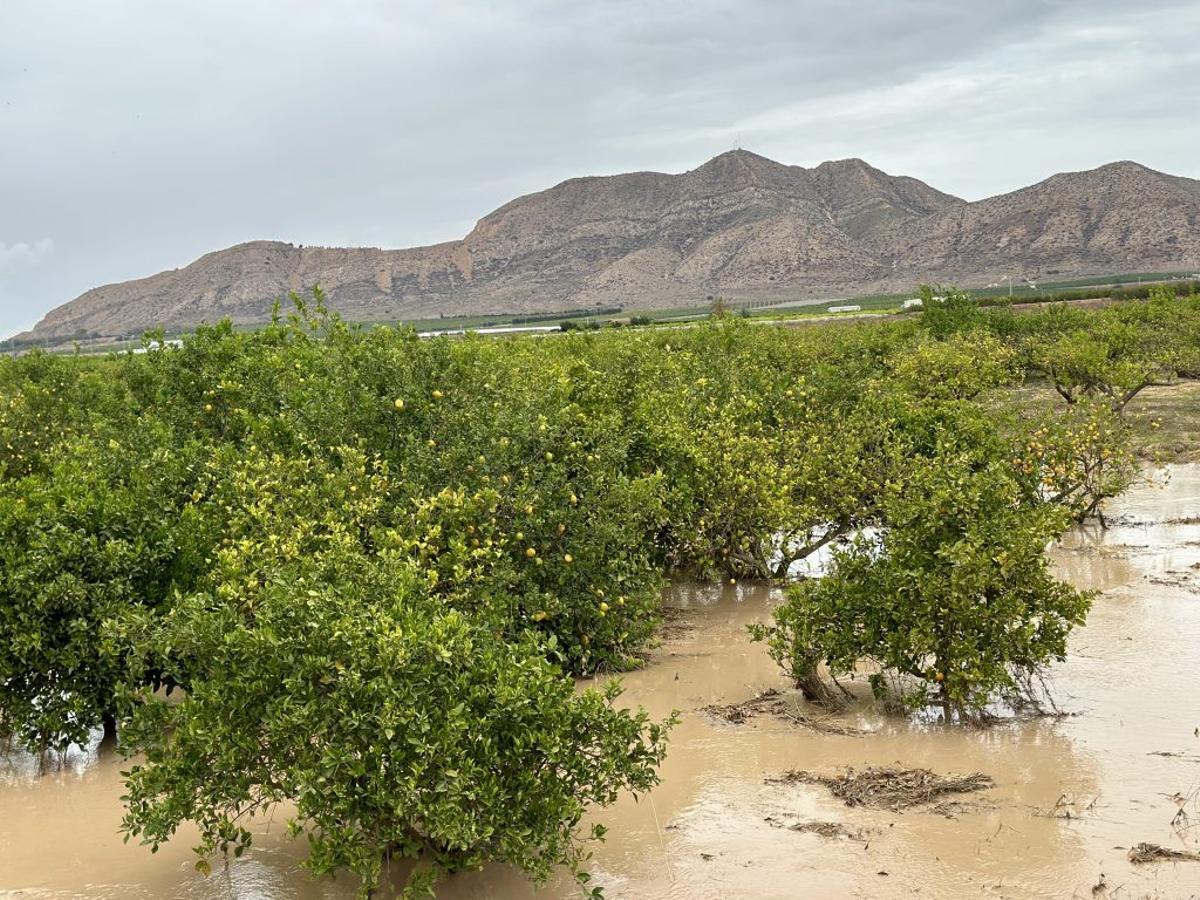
136	135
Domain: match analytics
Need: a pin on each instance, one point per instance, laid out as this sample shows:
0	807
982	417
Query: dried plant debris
782	706
829	830
1068	808
954	809
740	713
1125	520
1148	853
890	787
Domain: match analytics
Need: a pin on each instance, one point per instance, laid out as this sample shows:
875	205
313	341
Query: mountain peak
1122	169
850	163
738	160
740	156
1125	180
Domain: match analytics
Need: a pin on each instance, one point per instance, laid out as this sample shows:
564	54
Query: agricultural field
1120	287
440	609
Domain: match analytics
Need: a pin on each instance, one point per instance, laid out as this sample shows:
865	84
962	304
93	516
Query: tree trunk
817	689
947	704
109	723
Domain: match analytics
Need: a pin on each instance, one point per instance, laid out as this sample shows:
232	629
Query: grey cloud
24	254
142	134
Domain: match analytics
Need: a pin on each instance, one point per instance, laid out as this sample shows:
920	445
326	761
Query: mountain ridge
739	224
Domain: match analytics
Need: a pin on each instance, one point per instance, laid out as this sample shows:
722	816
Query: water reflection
19	766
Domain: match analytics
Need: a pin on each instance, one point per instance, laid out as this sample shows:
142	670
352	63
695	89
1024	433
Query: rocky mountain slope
1118	218
740	225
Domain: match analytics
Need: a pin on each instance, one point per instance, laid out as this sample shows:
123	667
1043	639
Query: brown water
1132	680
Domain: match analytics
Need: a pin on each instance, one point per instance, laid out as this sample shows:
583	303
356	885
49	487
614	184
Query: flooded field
1071	794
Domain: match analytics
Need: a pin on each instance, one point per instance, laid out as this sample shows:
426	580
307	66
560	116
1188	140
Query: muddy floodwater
1071	795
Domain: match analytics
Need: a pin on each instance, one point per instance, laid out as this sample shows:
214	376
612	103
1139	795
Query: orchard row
355	570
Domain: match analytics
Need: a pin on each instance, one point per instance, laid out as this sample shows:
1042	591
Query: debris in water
889	787
953	809
1065	807
1176	754
1148	853
830	830
676	622
775	703
739	713
1182	822
1174	579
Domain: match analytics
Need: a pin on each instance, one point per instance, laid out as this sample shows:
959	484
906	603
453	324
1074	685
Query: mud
1072	796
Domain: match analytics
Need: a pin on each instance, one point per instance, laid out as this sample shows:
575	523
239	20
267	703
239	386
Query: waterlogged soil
1069	796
